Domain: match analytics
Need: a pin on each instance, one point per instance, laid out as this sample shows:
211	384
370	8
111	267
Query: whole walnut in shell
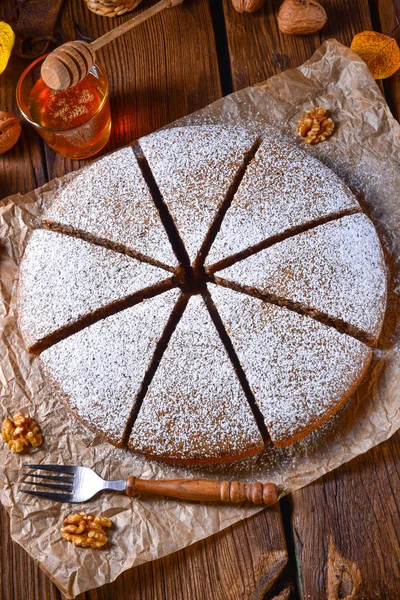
247	6
10	130
300	17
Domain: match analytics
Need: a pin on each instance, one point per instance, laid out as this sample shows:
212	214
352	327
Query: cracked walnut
20	432
315	126
85	530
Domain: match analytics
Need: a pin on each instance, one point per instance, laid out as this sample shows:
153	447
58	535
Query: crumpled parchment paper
365	152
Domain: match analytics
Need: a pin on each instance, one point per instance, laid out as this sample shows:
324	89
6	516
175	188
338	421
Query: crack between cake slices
162	344
102	313
99	241
276	239
237	367
297	307
165	216
226	203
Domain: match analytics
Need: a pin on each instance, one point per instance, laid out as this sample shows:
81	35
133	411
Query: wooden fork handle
205	490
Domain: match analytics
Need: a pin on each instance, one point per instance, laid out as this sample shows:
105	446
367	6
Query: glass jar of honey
75	122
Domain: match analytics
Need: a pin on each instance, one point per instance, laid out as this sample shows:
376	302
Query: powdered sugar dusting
283	188
99	371
64	278
195	410
195	407
110	199
337	268
299	370
194	168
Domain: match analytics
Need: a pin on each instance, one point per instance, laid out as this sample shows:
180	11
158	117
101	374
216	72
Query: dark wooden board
242	561
356	506
384	21
350	519
27	154
347	529
257	48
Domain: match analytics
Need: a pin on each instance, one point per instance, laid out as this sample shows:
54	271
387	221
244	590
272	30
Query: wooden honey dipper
71	62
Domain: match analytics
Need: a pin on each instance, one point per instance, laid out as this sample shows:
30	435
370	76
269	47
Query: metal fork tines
72	484
64	475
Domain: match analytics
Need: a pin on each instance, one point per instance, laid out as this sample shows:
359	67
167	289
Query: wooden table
337	538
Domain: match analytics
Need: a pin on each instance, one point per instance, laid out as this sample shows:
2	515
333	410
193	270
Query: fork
79	484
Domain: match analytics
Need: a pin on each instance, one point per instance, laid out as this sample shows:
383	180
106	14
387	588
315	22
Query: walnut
20	432
301	17
10	130
85	530
247	6
315	126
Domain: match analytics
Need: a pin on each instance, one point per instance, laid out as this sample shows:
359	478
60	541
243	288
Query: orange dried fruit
379	51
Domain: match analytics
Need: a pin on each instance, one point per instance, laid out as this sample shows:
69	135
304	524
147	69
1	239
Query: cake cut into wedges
336	270
65	279
113	294
195	410
299	370
111	202
284	188
195	168
99	371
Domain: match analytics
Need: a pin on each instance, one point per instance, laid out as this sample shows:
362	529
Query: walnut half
20	432
85	530
315	126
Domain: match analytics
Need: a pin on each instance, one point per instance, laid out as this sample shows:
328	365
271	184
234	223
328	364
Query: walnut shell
247	6
300	17
10	130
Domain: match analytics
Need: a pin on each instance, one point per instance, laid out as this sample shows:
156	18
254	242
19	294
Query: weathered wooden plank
347	529
384	20
242	561
164	69
20	578
28	152
258	50
348	523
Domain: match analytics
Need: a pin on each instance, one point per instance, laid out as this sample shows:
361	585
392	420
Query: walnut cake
202	294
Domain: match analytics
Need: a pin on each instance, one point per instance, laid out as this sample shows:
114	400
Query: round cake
202	294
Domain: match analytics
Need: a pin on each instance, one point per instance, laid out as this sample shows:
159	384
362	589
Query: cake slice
65	279
195	410
110	203
284	188
195	168
336	269
98	372
299	370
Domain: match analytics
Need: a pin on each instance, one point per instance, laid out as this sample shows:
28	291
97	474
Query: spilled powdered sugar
194	168
337	268
99	370
283	188
64	278
195	407
300	371
111	200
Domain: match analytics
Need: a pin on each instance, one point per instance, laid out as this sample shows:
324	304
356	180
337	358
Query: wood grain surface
349	523
337	538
